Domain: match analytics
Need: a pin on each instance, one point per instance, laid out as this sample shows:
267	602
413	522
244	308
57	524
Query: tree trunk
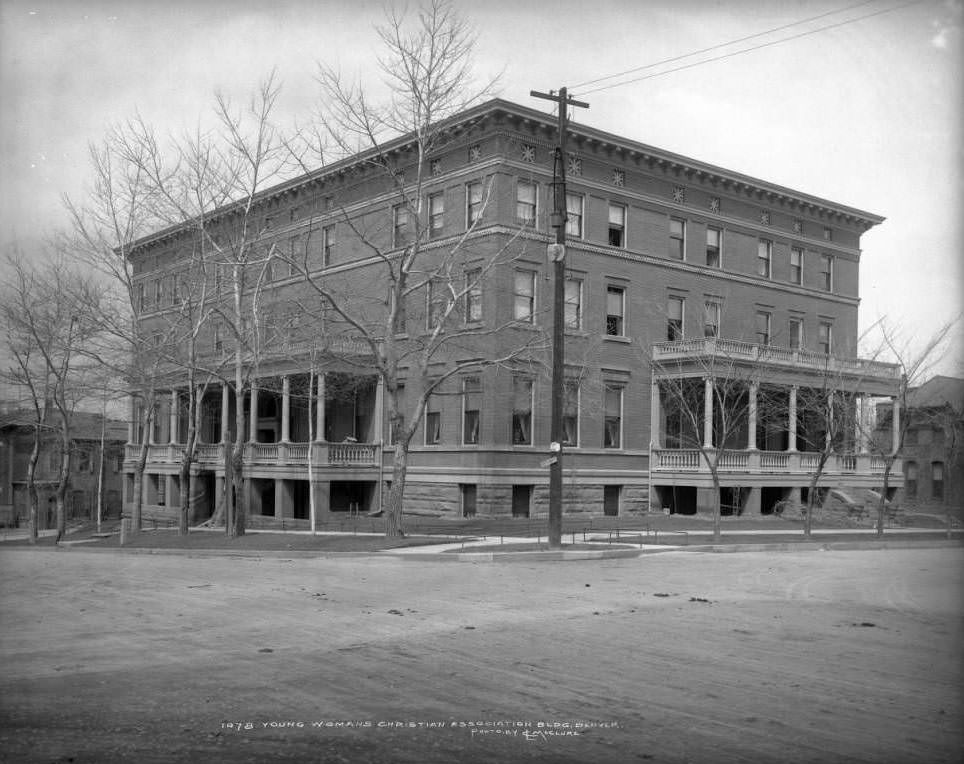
32	498
393	505
239	500
882	503
63	482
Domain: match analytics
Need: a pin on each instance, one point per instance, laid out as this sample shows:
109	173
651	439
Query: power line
738	52
723	44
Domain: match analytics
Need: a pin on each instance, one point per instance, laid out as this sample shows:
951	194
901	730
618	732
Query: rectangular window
328	243
570	414
473	204
473	295
471	406
910	481
401	313
825	338
437	303
433	421
826	273
937	480
714	245
764	253
521	411
525	202
400	232
611	500
796	265
615	310
574	215
795	332
436	214
711	319
762	328
158	292
141	296
677	238
612	425
524	296
573	304
521	500
468	494
617	225
174	294
674	323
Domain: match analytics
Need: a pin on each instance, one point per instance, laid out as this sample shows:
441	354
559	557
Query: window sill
617	338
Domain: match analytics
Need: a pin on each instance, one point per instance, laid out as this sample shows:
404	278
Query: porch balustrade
278	454
770	462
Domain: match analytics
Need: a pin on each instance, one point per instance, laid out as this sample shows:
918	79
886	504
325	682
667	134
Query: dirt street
672	657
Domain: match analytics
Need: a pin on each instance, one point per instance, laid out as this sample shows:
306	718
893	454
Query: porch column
253	409
751	424
792	424
828	435
655	417
175	399
285	409
708	413
225	410
379	410
895	426
130	421
320	409
860	434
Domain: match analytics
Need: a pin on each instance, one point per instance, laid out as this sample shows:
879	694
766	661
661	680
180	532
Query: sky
866	112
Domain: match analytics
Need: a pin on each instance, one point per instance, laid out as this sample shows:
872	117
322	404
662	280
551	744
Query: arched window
910	480
937	480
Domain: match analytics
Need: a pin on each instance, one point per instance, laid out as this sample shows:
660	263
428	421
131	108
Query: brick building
16	444
669	260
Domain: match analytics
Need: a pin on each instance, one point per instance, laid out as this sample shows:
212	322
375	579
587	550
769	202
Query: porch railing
769	462
280	454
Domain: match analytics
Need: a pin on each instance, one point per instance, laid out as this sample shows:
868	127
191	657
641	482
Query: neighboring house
933	449
16	444
668	259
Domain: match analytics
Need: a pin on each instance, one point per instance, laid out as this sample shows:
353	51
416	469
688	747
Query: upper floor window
573	305
570	413
473	203
711	319
674	324
524	296
714	245
762	328
910	479
521	411
471	408
796	265
615	310
937	480
437	303
328	243
400	232
526	194
825	338
613	417
677	238
826	273
433	421
473	295
764	254
436	214
617	225
574	215
795	333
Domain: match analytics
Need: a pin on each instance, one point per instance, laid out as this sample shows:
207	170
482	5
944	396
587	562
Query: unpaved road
794	657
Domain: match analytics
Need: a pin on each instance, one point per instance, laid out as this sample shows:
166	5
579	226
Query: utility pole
557	253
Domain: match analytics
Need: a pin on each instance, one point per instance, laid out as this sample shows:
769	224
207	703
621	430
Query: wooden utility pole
557	253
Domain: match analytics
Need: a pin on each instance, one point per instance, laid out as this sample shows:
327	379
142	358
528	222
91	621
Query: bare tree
915	359
45	324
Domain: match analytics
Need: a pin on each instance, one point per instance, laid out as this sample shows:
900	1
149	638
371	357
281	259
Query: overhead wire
734	53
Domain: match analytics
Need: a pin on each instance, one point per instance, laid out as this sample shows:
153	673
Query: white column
175	398
708	413
655	417
751	424
320	409
285	409
225	409
860	434
253	409
792	423
131	428
379	410
895	426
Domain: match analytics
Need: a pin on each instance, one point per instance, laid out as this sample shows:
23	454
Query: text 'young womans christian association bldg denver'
671	263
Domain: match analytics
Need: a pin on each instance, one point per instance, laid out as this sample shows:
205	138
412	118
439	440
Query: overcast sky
864	113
